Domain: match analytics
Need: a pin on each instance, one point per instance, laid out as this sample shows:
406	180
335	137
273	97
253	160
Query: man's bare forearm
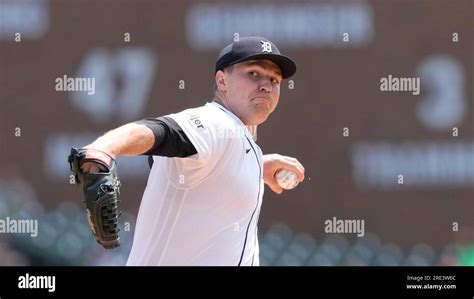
128	140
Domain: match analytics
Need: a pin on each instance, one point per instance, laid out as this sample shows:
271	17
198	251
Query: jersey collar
252	130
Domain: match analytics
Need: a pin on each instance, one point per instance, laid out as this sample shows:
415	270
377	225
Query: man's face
252	90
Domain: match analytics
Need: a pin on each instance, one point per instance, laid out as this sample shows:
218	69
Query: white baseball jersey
203	209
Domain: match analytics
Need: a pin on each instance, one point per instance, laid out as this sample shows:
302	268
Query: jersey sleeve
199	132
170	139
209	131
204	128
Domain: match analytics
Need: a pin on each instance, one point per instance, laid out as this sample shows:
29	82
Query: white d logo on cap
266	46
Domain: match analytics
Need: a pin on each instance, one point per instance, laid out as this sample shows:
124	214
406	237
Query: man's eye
253	74
275	81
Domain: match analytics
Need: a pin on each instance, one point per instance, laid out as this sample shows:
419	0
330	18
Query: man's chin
257	120
255	117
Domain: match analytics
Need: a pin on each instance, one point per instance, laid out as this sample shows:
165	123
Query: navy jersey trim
170	139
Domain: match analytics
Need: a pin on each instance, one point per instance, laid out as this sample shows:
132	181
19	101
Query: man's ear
220	81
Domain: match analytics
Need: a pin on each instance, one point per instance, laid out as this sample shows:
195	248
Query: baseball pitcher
202	200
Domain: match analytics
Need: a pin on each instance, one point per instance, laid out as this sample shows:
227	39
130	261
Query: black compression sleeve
170	140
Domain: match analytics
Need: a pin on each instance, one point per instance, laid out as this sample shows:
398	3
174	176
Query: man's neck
220	102
251	128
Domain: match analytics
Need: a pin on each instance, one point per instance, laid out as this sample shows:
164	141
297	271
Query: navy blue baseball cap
253	48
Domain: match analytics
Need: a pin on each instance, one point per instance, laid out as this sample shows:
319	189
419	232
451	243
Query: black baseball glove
101	192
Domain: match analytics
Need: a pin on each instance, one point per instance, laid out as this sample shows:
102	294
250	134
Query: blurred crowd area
64	239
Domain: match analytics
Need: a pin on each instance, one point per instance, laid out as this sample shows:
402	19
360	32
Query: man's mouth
262	99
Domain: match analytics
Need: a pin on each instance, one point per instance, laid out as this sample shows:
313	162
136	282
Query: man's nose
266	85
